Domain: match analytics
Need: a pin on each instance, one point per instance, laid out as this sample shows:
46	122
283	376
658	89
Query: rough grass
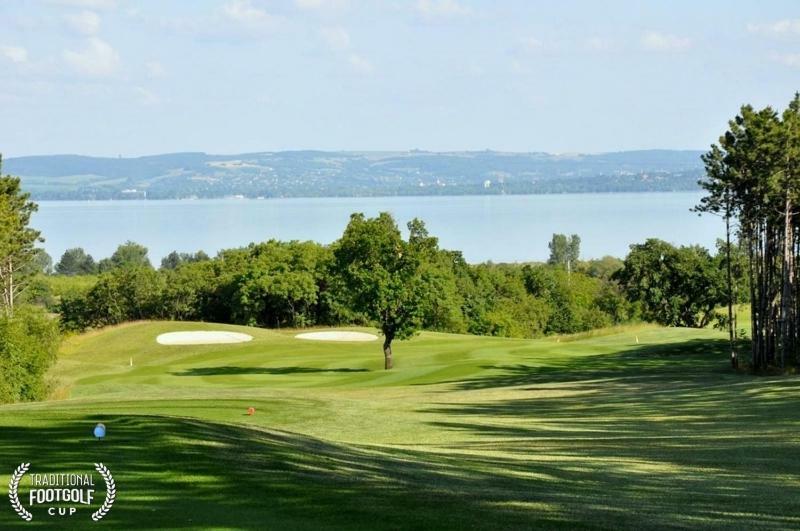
597	432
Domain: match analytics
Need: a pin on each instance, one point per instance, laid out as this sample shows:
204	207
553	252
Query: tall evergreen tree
753	176
17	241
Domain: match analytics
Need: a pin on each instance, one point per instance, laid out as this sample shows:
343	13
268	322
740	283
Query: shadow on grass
687	359
667	435
176	473
232	370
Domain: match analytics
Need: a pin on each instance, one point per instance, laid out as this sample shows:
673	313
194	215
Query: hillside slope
323	174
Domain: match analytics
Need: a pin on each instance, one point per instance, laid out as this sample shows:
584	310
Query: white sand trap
202	338
337	336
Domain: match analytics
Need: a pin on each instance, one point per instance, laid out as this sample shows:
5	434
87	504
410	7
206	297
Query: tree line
371	275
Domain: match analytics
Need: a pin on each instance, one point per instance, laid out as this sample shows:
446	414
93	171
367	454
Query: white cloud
336	38
779	28
664	42
85	22
15	54
430	9
98	58
87	4
318	5
146	97
359	64
249	16
788	59
155	69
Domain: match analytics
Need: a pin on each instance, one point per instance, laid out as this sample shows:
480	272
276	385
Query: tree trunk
8	289
387	353
786	293
754	319
731	332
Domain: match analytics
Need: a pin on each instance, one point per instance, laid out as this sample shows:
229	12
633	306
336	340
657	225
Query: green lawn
635	428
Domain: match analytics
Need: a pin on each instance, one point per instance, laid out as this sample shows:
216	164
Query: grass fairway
599	432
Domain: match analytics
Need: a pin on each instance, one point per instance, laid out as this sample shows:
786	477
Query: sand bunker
337	336
202	338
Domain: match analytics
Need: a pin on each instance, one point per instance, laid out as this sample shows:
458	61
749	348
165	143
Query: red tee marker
251	410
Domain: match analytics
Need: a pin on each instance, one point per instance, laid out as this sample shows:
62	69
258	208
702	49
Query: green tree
42	262
175	259
602	268
122	294
380	273
439	270
129	254
564	250
17	241
75	262
753	177
281	284
577	302
190	292
675	286
28	345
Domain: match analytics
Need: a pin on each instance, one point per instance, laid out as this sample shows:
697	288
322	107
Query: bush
28	346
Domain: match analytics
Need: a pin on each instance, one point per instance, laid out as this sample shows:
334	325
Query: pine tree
17	240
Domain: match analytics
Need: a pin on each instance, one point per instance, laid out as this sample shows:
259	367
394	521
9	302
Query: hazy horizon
234	153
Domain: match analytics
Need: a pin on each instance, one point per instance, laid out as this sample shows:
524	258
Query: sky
130	78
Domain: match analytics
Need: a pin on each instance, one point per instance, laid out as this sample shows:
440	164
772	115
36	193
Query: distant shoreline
353	174
386	196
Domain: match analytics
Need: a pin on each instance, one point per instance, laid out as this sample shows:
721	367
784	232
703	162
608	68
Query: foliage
564	250
280	284
174	259
370	276
602	268
76	261
28	344
675	286
129	254
42	262
18	255
122	294
382	274
578	302
753	180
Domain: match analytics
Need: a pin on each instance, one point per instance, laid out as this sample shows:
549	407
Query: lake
497	228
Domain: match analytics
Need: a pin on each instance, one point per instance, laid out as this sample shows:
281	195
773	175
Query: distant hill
336	174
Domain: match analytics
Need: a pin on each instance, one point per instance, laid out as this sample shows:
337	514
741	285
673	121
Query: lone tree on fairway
380	275
17	240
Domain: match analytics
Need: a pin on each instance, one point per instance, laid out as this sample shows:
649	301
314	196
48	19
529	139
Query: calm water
497	228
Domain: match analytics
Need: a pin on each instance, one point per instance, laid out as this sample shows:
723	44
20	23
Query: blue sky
117	77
